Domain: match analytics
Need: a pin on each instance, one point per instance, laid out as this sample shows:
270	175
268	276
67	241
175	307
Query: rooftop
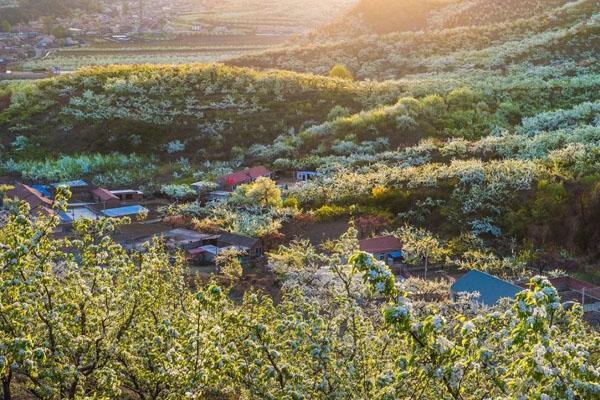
247	175
233	239
30	195
381	244
490	288
71	184
104	195
125	211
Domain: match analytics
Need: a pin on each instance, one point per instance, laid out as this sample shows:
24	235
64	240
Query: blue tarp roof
490	288
43	189
396	254
124	211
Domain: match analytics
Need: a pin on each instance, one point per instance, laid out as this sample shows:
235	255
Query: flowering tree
421	247
229	264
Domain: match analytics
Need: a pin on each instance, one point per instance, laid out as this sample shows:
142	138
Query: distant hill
484	12
25	10
381	16
384	16
568	32
388	16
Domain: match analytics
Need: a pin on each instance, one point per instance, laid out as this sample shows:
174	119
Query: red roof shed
382	244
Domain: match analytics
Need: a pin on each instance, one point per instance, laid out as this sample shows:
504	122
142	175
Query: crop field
180	50
292	16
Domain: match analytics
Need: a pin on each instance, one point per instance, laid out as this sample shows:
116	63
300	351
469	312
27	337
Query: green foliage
229	264
262	192
331	212
107	323
5	26
341	72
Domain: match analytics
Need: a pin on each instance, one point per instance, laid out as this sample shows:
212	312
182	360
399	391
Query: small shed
187	239
252	246
490	288
231	181
129	195
305	176
384	248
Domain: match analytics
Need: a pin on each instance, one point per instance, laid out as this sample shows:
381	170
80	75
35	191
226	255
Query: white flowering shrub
175	146
179	192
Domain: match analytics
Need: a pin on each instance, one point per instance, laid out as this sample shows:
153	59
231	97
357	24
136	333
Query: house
490	288
305	176
128	195
81	191
253	247
129	211
575	290
187	239
106	198
384	248
38	203
231	181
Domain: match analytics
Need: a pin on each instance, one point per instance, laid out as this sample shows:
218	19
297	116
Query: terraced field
180	50
211	31
264	16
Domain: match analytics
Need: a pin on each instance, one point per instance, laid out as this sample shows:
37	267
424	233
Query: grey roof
233	239
72	184
490	288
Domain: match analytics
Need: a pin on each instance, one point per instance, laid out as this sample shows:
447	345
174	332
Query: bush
331	212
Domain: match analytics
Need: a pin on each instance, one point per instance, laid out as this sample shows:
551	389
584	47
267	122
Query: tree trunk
426	259
6	394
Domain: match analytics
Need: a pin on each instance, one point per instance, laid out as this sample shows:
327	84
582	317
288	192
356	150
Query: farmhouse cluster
148	224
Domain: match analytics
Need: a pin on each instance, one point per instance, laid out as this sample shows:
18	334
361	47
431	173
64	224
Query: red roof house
383	248
107	198
37	202
231	181
30	195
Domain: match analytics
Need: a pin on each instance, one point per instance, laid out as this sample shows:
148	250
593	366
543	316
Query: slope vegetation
570	31
209	108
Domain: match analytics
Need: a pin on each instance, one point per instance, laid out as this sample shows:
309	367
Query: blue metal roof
490	288
124	211
396	254
65	218
43	189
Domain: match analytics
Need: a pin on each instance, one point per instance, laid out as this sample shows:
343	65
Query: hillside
406	208
388	16
380	16
565	33
209	108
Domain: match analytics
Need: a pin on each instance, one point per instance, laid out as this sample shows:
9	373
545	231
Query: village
148	223
114	23
123	25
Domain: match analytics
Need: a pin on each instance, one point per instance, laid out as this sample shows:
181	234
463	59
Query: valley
257	199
